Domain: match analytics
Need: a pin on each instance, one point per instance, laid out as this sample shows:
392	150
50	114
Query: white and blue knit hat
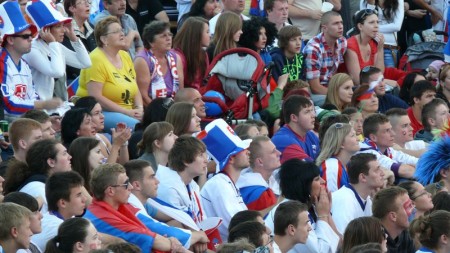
44	13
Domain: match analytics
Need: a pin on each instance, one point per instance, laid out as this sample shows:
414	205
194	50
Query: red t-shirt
415	124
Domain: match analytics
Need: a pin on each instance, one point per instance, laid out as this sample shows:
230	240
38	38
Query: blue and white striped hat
12	20
44	13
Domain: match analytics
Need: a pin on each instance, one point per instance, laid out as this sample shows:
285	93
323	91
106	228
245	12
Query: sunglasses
338	125
367	12
367	69
125	184
23	36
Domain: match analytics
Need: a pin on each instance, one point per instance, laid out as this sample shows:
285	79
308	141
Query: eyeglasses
424	192
367	12
167	103
85	2
118	31
23	36
125	184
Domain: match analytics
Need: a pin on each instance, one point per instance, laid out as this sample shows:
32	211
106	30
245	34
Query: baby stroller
422	52
242	78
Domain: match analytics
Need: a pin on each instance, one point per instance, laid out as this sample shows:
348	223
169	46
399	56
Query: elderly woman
78	10
111	79
159	70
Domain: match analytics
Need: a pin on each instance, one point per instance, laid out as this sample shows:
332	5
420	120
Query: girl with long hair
390	17
86	156
156	143
339	144
420	197
226	34
188	44
340	91
432	231
364	230
75	235
184	119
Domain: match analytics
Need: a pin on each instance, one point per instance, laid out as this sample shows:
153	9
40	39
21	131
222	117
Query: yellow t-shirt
119	85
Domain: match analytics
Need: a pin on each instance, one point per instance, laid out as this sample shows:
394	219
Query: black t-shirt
145	12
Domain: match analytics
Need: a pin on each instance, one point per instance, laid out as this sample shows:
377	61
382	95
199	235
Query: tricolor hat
369	92
221	142
12	20
44	13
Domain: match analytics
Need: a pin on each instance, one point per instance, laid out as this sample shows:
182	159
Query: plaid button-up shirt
320	61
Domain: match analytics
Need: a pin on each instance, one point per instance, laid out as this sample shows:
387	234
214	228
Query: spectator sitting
86	156
79	12
74	235
183	117
15	231
228	31
439	223
131	41
295	214
188	44
340	92
156	144
254	232
403	138
231	154
310	190
119	97
201	8
392	207
420	197
257	34
33	205
48	57
365	176
257	183
373	76
288	58
364	230
443	90
434	116
235	6
44	158
64	194
44	120
16	42
156	111
319	65
277	13
111	214
408	82
246	131
356	121
379	139
421	94
187	160
296	138
145	184
339	144
159	71
22	134
365	100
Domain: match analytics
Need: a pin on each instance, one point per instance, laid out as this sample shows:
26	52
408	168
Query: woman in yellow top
112	79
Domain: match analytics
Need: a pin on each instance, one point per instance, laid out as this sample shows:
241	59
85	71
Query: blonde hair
11	215
228	24
333	90
332	141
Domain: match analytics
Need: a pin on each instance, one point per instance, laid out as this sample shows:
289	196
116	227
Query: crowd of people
108	146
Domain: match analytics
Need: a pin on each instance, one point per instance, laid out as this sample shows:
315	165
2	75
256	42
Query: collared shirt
320	61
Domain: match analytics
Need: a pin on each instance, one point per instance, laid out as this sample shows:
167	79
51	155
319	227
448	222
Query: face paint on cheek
404	132
409	207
